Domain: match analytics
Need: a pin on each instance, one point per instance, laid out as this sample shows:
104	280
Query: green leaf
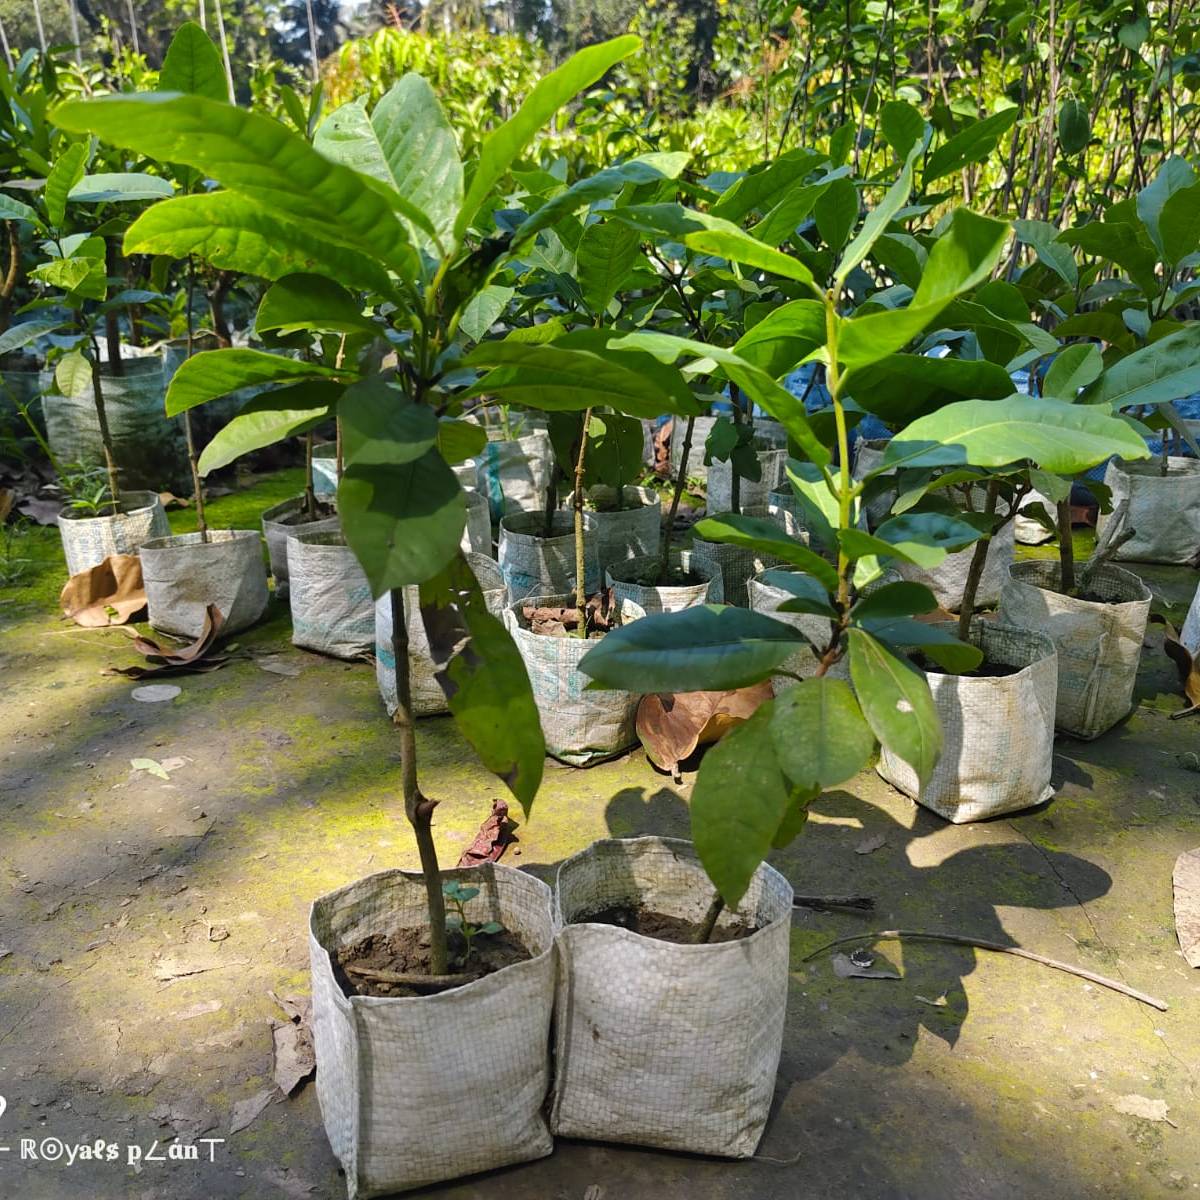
1175	175
1074	126
731	242
66	173
878	219
483	677
902	126
935	641
614	455
14	210
706	648
1053	253
505	144
895	600
765	537
819	734
1074	368
1179	223
922	538
94	189
836	213
760	188
739	801
255	155
459	440
403	521
235	233
896	702
192	64
1120	242
16	336
808	596
73	375
1060	437
269	418
1168	369
603	260
558	378
819	504
1134	33
784	337
381	426
902	387
780	222
313	302
214	373
973	144
484	309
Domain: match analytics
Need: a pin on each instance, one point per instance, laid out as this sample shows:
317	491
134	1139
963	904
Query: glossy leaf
13	210
706	648
971	145
120	186
193	64
896	702
902	126
66	173
902	387
901	599
459	440
605	255
807	595
836	213
1073	369
784	337
1166	370
731	242
484	309
16	336
879	217
764	536
1175	175
270	418
381	426
819	734
215	373
311	302
934	641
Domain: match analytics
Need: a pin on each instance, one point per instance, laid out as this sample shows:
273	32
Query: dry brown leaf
1187	666
1134	1105
1186	883
197	656
871	844
109	593
246	1111
494	837
671	725
844	967
295	1059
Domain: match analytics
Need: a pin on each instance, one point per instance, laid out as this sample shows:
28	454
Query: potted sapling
815	735
405	1007
515	469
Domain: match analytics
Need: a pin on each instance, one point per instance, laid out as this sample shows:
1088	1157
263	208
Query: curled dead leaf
110	593
672	724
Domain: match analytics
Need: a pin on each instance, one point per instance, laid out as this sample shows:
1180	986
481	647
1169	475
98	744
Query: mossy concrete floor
975	1075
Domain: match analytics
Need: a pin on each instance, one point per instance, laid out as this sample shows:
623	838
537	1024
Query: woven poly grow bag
621	533
418	1089
1163	510
535	565
868	456
652	598
736	563
285	520
88	540
515	475
426	693
948	579
1099	644
330	598
184	574
148	446
765	596
764	427
997	731
581	726
752	493
660	1044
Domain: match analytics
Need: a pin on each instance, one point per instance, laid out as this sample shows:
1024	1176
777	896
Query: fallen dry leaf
278	665
494	837
110	593
295	1058
844	967
156	693
1134	1105
246	1111
298	1008
940	1002
150	766
672	725
870	845
1186	883
197	656
198	1010
1187	666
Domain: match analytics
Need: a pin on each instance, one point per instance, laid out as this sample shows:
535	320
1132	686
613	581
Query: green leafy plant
458	896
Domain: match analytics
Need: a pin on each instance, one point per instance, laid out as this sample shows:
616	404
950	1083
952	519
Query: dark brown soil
407	952
676	577
321	509
1089	597
661	926
986	669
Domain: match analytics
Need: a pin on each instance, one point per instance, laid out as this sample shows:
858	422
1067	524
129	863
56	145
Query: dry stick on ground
955	939
867	902
417	808
411	979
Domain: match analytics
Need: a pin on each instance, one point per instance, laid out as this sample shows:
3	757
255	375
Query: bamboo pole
225	50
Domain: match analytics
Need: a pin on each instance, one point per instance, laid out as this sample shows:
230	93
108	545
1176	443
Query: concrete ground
128	1015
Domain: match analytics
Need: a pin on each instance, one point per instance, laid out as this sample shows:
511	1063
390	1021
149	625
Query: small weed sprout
458	896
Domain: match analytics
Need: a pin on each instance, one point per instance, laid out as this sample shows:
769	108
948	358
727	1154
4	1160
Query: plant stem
1066	549
966	609
705	929
417	808
112	330
580	582
680	482
110	461
310	495
735	480
197	489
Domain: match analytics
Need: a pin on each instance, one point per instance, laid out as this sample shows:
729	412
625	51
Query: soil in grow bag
986	669
406	952
674	576
661	926
599	613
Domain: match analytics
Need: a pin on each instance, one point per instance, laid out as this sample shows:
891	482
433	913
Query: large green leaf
503	146
16	336
935	641
406	143
1050	250
902	126
729	241
901	599
251	153
1057	436
403	521
764	536
558	378
922	538
1074	368
65	174
739	801
897	703
1120	242
193	65
760	188
605	255
902	387
836	213
270	418
819	734
707	648
1168	369
459	440
235	233
1175	175
483	676
382	426
784	337
971	145
304	301
13	210
120	186
879	217
215	373
483	310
